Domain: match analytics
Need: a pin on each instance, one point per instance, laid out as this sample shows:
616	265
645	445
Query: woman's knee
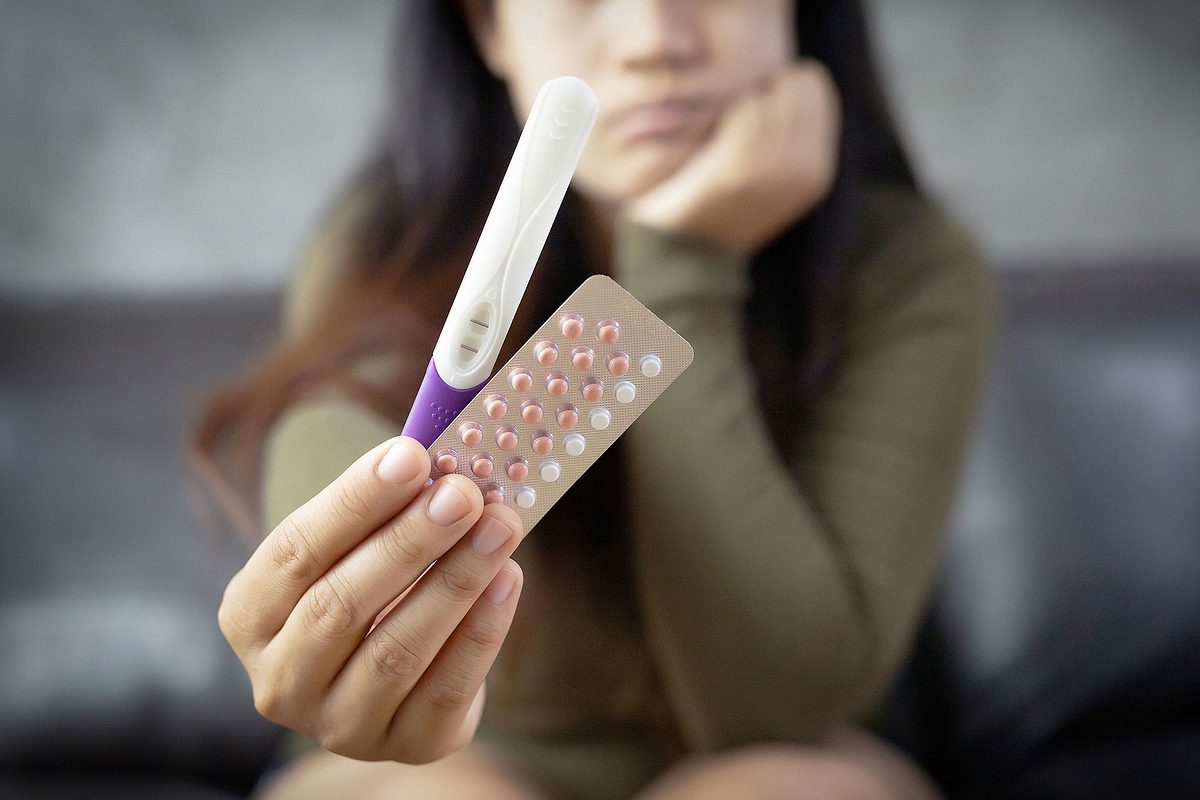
794	772
466	774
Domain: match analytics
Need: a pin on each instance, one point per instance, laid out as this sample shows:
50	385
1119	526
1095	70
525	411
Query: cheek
610	175
539	40
753	41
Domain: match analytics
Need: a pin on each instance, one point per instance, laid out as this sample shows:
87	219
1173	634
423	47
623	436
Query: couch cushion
1062	654
110	655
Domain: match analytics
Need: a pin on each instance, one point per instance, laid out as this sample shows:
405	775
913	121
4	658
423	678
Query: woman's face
662	70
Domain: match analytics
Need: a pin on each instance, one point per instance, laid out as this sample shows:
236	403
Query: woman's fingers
339	615
394	656
442	711
330	620
291	558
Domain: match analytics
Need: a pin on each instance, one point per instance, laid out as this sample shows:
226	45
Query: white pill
526	497
575	444
549	470
651	365
625	392
599	418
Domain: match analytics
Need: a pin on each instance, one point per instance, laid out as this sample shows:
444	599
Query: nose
657	34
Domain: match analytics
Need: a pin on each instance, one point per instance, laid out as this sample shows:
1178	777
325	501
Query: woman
718	603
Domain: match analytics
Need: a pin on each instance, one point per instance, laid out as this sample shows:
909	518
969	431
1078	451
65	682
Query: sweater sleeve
314	441
779	598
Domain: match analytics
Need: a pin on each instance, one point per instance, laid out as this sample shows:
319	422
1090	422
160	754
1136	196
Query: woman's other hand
348	633
771	159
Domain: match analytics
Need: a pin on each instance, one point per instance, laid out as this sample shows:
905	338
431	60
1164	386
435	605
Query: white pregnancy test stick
509	245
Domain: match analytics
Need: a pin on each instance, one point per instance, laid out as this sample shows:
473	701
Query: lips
665	119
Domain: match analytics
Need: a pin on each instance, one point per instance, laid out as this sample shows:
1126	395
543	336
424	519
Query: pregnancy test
509	245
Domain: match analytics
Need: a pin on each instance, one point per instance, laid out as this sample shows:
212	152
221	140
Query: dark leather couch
114	680
1061	657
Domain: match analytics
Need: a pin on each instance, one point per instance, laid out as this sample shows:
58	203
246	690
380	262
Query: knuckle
290	551
448	695
231	621
457	583
329	611
482	637
397	544
393	661
352	503
274	695
270	702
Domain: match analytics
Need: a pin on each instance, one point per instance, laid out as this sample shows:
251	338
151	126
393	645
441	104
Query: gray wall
1067	130
152	145
156	145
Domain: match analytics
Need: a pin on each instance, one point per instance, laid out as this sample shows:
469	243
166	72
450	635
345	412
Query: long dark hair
427	189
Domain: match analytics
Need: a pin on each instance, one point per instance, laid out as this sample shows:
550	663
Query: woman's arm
780	598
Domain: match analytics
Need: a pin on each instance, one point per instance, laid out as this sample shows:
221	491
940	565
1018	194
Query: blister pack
567	394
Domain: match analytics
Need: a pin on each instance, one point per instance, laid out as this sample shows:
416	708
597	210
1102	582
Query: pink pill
506	438
446	461
520	379
492	494
571	326
546	353
608	331
517	468
543	443
592	390
582	358
471	433
556	384
481	465
567	416
618	363
495	406
531	411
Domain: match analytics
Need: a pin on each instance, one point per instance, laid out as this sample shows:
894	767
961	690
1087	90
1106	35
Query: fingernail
399	464
501	587
448	505
489	535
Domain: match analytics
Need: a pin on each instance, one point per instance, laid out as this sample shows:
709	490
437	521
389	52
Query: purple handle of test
436	406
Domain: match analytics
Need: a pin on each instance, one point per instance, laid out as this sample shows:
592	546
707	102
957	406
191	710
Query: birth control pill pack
580	381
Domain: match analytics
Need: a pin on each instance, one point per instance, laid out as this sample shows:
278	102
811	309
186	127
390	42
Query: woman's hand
299	614
770	160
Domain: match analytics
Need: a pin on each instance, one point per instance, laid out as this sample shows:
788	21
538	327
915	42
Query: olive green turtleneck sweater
775	598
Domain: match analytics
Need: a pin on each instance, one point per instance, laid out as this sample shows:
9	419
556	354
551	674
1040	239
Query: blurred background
187	146
161	162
